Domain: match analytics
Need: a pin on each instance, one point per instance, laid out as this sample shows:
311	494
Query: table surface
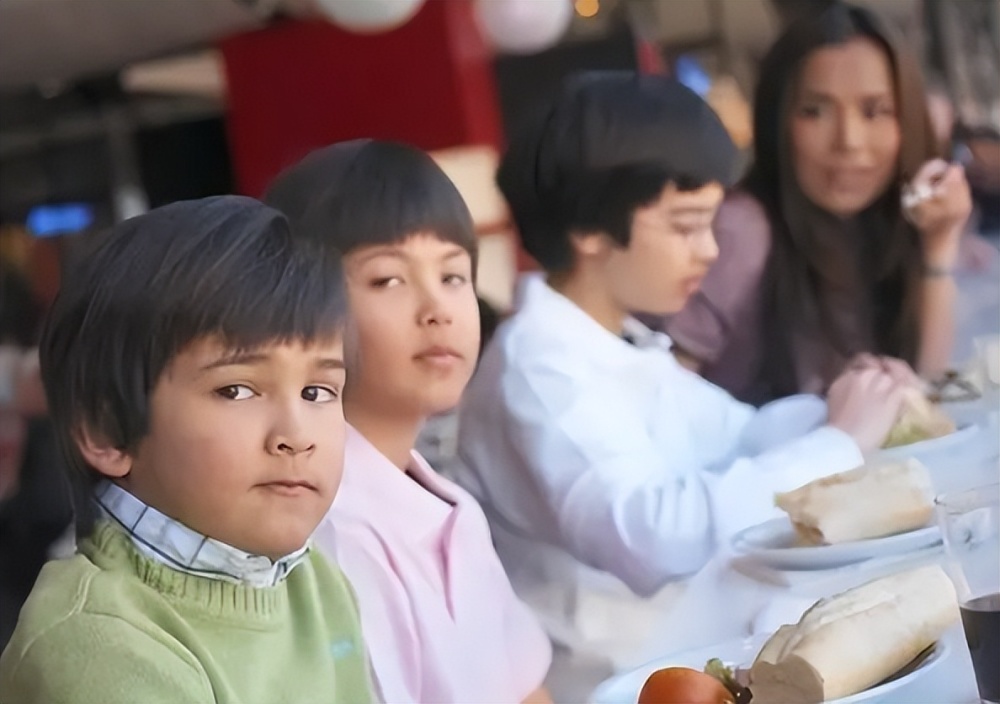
724	602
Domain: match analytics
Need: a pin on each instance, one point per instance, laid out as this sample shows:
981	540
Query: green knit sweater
111	626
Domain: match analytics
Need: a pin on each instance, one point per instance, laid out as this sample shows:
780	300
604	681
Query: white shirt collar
170	542
535	294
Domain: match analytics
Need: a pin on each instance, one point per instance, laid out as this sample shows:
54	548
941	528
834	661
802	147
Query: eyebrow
330	363
813	95
457	252
396	253
251	358
234	359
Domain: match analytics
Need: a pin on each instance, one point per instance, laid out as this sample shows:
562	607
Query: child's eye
810	111
454	279
873	110
235	392
319	394
689	230
386	282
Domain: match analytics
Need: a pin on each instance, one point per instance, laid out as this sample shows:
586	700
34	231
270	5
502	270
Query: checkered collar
170	542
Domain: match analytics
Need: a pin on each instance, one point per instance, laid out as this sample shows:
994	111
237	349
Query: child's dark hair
369	192
225	266
607	145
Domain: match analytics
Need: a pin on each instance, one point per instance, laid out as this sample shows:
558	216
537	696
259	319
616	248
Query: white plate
773	544
924	447
624	688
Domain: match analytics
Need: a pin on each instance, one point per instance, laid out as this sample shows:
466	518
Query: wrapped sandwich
918	420
877	499
850	642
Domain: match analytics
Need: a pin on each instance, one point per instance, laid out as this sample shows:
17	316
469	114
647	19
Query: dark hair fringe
368	192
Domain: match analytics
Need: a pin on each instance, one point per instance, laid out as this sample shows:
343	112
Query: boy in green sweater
193	365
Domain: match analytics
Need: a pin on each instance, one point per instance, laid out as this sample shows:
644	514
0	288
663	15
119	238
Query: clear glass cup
987	350
970	524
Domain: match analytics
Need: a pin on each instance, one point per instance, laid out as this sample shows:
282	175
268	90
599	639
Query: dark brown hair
368	192
807	262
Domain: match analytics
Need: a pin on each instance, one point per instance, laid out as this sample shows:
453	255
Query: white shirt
608	471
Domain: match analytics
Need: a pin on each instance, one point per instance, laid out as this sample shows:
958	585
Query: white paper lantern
524	26
368	16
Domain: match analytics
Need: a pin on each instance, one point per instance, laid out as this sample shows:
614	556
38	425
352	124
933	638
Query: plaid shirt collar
170	542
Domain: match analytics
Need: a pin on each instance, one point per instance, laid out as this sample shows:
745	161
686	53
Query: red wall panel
299	85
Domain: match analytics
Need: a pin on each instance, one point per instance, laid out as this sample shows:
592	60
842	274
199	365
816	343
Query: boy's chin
440	409
275	547
676	305
275	552
441	403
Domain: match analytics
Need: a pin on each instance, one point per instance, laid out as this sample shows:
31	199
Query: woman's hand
938	202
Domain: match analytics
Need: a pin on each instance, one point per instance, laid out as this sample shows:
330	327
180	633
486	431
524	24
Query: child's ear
102	455
590	244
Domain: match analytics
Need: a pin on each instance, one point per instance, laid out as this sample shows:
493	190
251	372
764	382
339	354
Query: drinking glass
970	525
987	350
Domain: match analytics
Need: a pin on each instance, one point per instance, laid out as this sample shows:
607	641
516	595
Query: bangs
224	267
614	119
364	193
246	290
282	299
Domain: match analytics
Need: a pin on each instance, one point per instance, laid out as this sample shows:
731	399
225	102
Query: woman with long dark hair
841	239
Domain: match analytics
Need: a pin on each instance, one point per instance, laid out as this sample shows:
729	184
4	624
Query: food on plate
683	685
736	679
918	420
880	498
847	643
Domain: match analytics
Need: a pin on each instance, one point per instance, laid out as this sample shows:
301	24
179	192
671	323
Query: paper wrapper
852	641
868	502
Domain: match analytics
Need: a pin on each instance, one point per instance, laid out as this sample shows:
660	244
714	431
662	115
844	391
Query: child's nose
434	310
707	249
289	437
290	448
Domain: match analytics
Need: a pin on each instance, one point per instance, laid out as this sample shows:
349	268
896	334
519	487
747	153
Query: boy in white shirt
608	471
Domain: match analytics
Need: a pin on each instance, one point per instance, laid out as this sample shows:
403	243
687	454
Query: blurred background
109	107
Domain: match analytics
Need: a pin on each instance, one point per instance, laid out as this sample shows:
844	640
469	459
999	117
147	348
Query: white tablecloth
723	602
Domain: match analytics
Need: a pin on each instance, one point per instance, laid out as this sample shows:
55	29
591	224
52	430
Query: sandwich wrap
919	419
875	500
850	642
